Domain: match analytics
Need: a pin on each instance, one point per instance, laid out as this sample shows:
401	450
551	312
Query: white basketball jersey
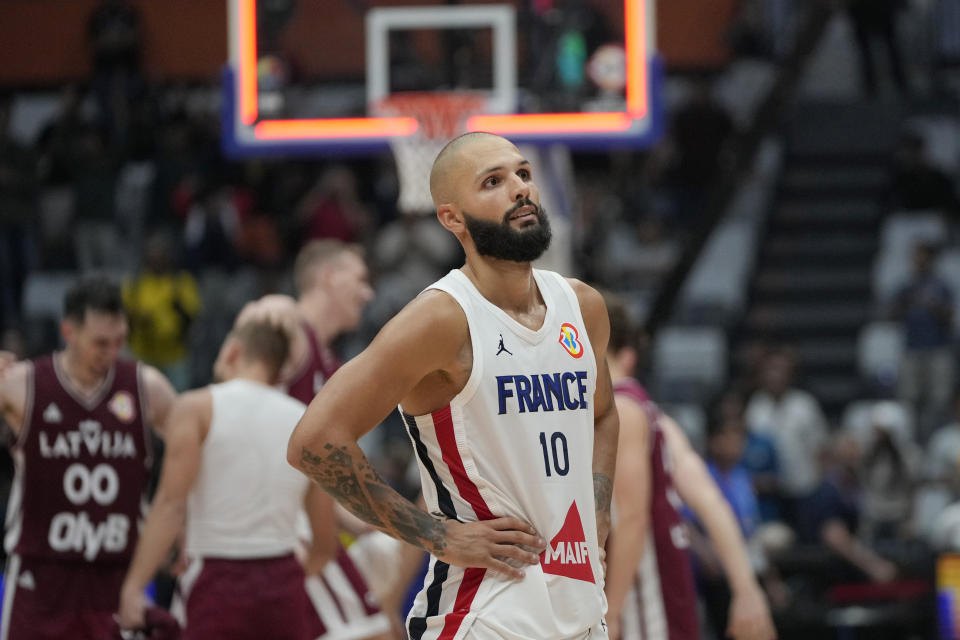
246	498
516	441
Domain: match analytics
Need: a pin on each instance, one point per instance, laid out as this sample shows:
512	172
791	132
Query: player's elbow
295	449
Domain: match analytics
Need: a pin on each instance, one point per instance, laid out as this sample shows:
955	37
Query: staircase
812	286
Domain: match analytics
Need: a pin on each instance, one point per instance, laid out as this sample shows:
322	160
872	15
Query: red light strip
335	128
248	61
635	25
550	123
635	40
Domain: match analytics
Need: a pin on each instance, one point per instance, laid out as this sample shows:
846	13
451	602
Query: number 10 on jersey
555	456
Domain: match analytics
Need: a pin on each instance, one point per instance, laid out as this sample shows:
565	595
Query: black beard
501	241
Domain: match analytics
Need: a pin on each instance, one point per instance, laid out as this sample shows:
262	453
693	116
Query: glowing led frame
639	125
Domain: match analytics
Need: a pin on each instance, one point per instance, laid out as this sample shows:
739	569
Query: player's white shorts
479	630
344	605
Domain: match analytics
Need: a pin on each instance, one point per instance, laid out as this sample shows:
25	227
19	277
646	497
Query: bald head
443	183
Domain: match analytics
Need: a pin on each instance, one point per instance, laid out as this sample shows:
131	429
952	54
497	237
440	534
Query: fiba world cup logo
570	340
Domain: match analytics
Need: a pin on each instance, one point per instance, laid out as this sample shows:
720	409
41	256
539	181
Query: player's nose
366	292
520	189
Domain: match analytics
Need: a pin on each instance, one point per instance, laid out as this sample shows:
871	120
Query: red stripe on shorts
356	580
333	596
472	578
443	424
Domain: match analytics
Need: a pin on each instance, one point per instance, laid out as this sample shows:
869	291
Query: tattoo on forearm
337	474
356	485
602	491
410	523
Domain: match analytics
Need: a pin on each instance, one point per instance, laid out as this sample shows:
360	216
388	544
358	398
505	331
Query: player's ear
234	350
68	330
228	356
451	218
628	358
324	275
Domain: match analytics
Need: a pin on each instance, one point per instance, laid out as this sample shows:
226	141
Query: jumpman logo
503	347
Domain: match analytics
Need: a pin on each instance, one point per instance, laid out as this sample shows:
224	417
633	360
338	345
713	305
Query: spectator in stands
794	420
637	252
831	515
178	164
700	130
939	483
750	364
56	147
211	229
942	462
161	303
94	180
918	184
333	209
925	307
409	70
759	456
56	139
888	477
877	19
18	194
726	447
408	254
114	33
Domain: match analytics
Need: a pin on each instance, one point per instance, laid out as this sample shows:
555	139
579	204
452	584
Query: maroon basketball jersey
81	467
318	368
672	593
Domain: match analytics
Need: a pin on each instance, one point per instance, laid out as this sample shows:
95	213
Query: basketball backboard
307	76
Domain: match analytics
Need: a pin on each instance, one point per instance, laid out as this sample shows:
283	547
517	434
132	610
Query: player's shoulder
634	419
279	300
17	372
431	328
433	310
20	369
629	394
592	306
154	382
15	376
589	297
195	401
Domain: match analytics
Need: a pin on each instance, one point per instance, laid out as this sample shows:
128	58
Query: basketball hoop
441	116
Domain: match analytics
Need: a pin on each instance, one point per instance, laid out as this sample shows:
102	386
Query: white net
441	116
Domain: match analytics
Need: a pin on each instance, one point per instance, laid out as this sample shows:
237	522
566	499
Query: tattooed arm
606	426
347	475
606	421
417	355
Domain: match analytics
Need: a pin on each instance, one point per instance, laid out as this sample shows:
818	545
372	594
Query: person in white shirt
225	477
793	419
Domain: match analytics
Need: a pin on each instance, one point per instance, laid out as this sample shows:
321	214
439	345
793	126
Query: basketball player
333	288
650	584
517	449
224	474
80	422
